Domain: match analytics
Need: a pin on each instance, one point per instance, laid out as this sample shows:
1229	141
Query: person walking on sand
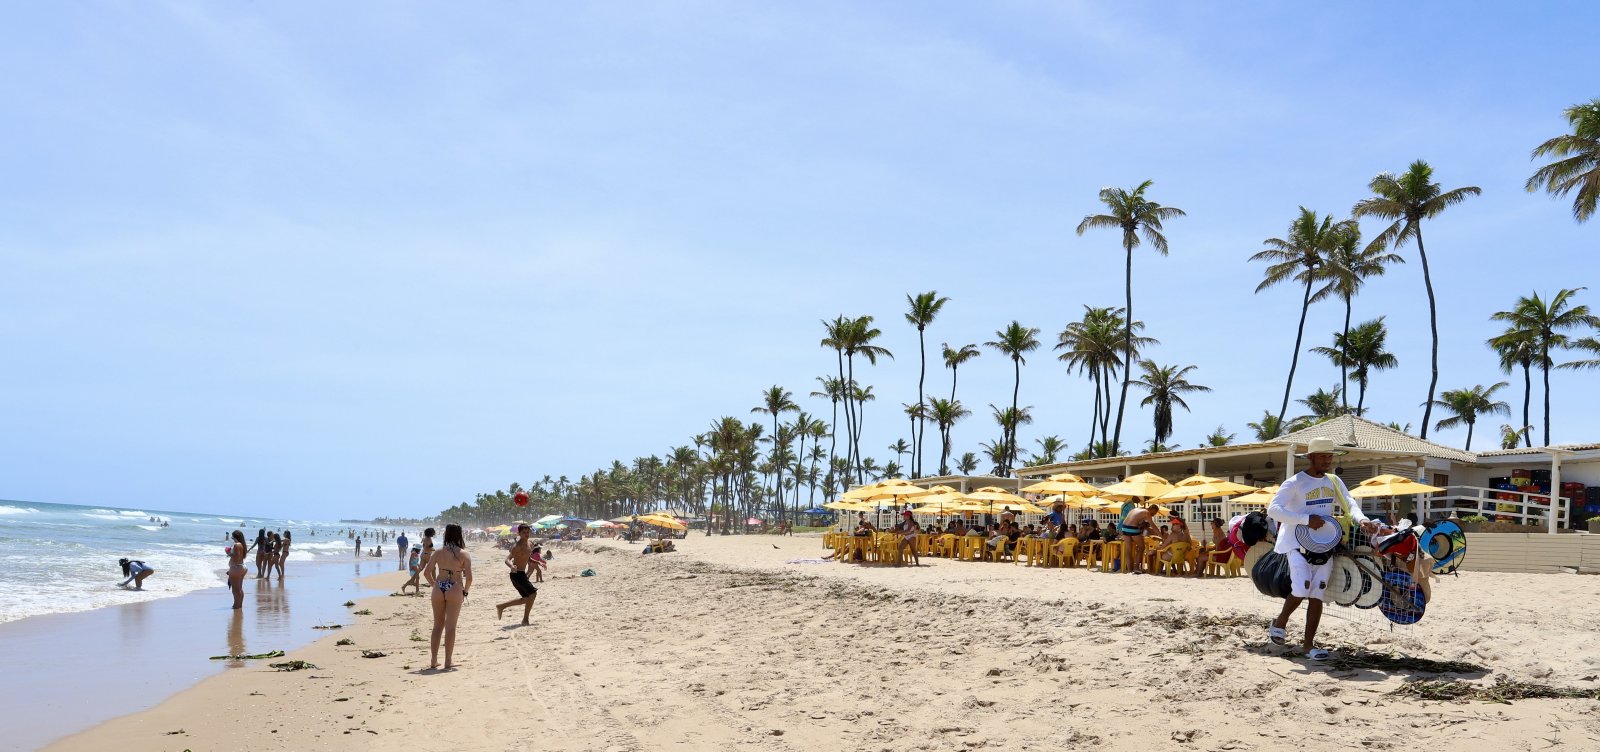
908	530
236	568
416	571
537	560
519	560
1305	499
452	575
400	544
136	572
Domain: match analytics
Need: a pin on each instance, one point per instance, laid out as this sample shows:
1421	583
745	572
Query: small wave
18	510
134	514
151	528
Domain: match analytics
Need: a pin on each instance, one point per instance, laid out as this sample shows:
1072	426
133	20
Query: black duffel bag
1271	575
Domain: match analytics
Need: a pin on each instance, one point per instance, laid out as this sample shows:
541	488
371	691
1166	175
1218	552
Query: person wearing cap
1306	499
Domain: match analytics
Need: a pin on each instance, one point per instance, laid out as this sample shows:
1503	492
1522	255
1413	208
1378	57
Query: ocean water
56	558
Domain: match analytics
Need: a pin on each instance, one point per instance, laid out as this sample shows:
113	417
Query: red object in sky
521	498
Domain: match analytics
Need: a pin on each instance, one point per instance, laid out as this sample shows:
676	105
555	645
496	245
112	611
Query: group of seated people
1171	544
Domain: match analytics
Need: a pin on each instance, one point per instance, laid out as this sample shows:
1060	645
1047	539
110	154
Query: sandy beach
727	645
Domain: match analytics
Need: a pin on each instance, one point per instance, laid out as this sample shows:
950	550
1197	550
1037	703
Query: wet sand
726	645
71	671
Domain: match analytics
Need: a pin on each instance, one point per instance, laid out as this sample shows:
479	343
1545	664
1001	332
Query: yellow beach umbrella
1391	485
666	522
1063	483
896	489
992	496
859	492
1203	487
939	500
1259	498
1141	486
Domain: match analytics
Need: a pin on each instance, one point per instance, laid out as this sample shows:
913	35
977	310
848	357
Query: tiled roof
1351	430
1538	450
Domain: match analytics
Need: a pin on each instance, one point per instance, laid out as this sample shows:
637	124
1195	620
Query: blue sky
364	258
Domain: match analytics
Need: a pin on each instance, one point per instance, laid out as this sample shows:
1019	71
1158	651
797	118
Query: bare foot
433	667
499	611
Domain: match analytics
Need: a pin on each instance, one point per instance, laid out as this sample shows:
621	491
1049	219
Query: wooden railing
1522	508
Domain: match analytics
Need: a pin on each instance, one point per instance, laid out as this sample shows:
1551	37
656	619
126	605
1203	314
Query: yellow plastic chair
1064	552
1110	552
972	547
1177	561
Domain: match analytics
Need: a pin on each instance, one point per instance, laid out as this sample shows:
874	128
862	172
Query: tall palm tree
833	391
899	447
954	357
1515	349
1407	199
1546	324
837	339
1578	163
858	336
921	310
861	395
946	413
1094	346
1166	386
1346	268
1467	405
1015	341
1009	418
1298	257
776	401
1358	352
1135	216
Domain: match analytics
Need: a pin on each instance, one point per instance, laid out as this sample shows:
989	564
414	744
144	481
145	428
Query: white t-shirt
1302	496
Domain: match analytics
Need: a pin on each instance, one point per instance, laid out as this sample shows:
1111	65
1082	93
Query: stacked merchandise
1521	481
1578	494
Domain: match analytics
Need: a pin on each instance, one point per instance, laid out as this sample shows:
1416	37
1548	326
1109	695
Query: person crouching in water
136	572
1305	499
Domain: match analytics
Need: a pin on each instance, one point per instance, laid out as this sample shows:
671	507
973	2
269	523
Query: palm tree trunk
920	426
1105	415
1544	363
1294	362
777	490
1433	325
944	454
1470	424
1362	400
849	417
833	434
1127	347
1016	389
1527	394
1344	361
1094	380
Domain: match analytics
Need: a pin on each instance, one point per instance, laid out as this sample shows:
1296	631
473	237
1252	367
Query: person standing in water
236	568
283	553
136	572
452	575
519	560
261	553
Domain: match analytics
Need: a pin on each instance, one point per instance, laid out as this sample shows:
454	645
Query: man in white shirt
1305	499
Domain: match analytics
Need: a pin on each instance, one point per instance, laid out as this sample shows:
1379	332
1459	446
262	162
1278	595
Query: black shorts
519	580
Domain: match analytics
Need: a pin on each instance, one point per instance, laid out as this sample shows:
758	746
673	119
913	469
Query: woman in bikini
236	568
427	555
261	553
452	575
283	553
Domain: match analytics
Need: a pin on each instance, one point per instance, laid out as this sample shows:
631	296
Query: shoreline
87	667
725	645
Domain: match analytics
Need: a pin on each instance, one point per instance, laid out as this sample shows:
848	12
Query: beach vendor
1307	499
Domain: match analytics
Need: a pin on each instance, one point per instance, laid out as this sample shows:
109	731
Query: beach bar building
1554	488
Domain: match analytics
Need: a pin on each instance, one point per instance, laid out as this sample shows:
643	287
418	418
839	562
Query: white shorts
1307	580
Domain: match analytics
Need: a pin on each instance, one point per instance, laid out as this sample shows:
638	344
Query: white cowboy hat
1321	445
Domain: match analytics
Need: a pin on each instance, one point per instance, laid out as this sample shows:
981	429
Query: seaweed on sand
292	665
1503	691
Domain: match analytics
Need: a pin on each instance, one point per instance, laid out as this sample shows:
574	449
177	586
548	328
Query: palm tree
1268	428
1219	437
899	447
1135	216
1545	325
1516	350
946	413
1299	258
833	391
1014	342
1347	267
922	310
1359	352
1589	345
996	452
967	463
1009	418
1166	386
1578	165
1323	405
1466	405
954	357
861	395
1511	436
858	335
1154	447
1094	345
1050	447
1408	199
776	401
838	334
